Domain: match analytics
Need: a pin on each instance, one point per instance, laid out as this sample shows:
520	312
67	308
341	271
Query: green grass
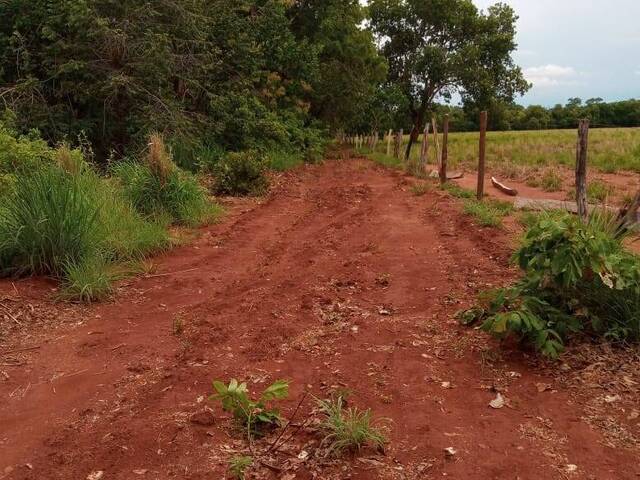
457	191
73	227
489	212
551	181
385	160
282	160
177	196
599	191
610	150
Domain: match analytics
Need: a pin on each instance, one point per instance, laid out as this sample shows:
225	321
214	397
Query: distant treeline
503	116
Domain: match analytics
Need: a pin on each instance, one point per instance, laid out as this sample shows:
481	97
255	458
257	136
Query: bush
241	173
578	277
158	188
22	152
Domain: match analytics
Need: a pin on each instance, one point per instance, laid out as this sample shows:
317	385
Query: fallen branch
8	352
503	188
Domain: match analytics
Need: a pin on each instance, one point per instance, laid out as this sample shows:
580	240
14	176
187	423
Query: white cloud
551	75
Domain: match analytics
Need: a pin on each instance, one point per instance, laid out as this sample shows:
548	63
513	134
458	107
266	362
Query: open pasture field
610	149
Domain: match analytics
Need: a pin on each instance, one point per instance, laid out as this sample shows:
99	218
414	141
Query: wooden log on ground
450	175
503	188
581	169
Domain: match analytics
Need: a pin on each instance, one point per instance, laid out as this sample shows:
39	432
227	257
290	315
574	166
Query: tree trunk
418	124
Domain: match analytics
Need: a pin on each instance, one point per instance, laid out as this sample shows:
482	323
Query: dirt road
341	278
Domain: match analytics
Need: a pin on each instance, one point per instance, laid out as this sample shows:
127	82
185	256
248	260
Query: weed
253	415
348	429
577	278
420	189
178	325
238	466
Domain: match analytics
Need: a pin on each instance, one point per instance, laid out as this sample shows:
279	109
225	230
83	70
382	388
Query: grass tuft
488	213
348	429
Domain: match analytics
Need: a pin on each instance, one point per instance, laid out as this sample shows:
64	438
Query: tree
349	66
436	48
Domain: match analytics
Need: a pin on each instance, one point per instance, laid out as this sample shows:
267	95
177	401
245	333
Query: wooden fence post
389	142
445	149
424	150
482	154
581	168
436	141
397	145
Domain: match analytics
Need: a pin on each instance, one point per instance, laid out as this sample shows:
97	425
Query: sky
577	48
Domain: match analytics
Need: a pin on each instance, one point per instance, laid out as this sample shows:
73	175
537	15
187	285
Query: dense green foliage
437	48
505	116
240	73
578	277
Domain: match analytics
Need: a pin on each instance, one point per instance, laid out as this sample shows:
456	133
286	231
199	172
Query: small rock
611	398
97	475
141	471
204	418
497	402
572	468
445	384
543	387
450	452
634	415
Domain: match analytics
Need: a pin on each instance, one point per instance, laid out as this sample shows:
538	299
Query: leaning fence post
482	154
581	168
445	149
436	142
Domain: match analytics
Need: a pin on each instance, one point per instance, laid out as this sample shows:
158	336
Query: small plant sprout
238	466
178	325
252	415
348	429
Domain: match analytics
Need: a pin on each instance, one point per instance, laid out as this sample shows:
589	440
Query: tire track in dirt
294	288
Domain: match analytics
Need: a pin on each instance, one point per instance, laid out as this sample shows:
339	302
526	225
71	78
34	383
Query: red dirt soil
340	278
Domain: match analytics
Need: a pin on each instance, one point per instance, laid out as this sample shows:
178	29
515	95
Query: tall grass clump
49	221
158	188
578	278
348	428
61	219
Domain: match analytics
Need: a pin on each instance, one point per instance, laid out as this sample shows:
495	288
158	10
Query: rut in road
340	278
